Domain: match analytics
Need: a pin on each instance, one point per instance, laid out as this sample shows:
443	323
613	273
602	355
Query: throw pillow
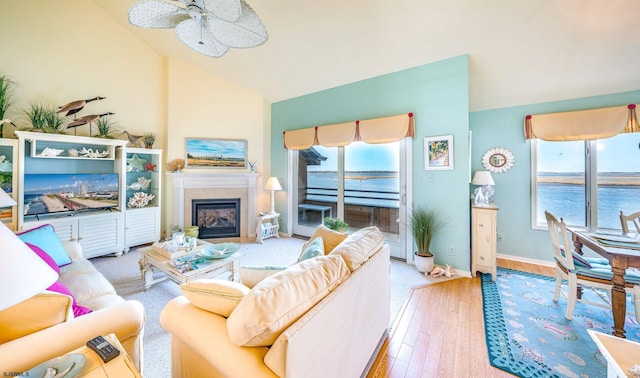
359	246
250	276
313	249
78	310
330	238
44	256
41	311
46	239
215	295
278	301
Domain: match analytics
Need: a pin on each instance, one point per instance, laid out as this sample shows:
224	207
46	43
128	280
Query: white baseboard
526	260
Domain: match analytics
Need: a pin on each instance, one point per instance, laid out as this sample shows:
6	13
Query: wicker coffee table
185	266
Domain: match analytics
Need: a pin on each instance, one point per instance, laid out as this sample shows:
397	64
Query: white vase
424	264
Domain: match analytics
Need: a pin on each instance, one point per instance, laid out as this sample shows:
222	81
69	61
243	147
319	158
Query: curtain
583	124
376	130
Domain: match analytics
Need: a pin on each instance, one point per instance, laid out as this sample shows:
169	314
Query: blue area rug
527	334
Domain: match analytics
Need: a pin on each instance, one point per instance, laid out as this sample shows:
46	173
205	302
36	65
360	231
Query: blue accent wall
438	96
504	128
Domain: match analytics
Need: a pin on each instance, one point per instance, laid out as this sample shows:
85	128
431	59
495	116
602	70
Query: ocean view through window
587	183
361	186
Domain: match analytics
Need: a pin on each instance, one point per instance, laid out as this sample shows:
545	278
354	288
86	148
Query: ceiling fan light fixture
210	27
197	35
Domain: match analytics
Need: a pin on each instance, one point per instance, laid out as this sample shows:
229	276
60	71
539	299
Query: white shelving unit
100	232
142	225
9	180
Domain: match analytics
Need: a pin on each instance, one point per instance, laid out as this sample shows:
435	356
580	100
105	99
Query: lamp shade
273	184
482	178
5	199
22	273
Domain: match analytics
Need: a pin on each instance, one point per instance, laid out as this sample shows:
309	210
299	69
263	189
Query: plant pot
424	264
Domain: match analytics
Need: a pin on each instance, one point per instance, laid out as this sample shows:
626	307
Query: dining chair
567	263
625	219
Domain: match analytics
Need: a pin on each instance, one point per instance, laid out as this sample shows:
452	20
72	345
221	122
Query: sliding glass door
362	184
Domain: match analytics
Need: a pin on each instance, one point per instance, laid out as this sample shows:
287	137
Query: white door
362	184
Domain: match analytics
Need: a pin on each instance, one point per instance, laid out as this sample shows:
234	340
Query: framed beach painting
215	153
438	153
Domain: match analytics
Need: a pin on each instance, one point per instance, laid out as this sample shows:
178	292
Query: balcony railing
362	208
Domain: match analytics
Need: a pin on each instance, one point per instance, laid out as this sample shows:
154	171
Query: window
587	183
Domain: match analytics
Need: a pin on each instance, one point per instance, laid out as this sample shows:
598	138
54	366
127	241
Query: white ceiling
520	52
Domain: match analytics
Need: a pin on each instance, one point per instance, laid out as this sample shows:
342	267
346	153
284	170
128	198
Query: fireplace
216	218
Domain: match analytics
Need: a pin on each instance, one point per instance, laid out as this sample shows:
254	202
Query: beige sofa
336	336
111	314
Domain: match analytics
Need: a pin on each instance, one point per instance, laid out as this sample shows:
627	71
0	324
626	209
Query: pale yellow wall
204	106
60	51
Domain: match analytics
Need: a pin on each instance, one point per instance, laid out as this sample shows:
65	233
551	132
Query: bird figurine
2	122
134	140
75	106
88	119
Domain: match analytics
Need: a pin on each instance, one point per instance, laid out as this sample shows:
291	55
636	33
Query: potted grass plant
44	119
106	128
425	225
335	224
6	98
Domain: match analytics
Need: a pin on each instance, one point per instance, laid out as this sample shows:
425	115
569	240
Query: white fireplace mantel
213	181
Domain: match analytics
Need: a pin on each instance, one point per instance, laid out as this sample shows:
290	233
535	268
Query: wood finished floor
439	332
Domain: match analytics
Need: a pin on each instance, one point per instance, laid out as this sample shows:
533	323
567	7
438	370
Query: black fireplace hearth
216	218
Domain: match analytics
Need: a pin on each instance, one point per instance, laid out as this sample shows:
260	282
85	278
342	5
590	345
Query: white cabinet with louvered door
484	239
142	226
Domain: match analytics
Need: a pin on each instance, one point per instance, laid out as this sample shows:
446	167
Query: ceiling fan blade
156	14
197	35
249	31
228	10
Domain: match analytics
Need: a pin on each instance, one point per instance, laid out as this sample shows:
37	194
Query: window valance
373	131
583	124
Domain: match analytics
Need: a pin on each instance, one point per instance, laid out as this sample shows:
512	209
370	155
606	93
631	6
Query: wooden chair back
625	219
560	241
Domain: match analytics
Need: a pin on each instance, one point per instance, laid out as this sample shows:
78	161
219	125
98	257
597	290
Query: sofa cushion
45	237
281	299
36	313
78	310
215	295
313	249
359	246
330	238
251	275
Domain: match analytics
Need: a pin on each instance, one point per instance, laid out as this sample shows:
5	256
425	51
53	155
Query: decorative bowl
220	251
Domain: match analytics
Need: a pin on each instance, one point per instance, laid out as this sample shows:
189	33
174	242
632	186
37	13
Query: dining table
622	255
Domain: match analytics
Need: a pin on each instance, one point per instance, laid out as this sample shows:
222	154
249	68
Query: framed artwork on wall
215	153
438	153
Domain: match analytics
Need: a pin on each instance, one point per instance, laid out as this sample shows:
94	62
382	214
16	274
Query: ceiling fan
210	27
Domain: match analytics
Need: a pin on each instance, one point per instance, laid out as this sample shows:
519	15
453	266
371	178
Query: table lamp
272	184
482	196
22	273
5	199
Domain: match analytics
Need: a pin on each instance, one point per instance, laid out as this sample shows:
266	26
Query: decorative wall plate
497	160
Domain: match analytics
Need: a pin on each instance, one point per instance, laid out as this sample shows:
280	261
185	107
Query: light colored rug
124	273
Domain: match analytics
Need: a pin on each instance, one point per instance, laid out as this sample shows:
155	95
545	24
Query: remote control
105	350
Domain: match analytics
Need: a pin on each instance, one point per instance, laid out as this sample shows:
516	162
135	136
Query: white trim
547	263
181	181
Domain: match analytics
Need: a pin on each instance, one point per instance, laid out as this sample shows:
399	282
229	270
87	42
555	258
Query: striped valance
583	124
374	131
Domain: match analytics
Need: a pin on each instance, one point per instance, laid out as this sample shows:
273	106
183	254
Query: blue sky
360	156
620	153
226	148
44	183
